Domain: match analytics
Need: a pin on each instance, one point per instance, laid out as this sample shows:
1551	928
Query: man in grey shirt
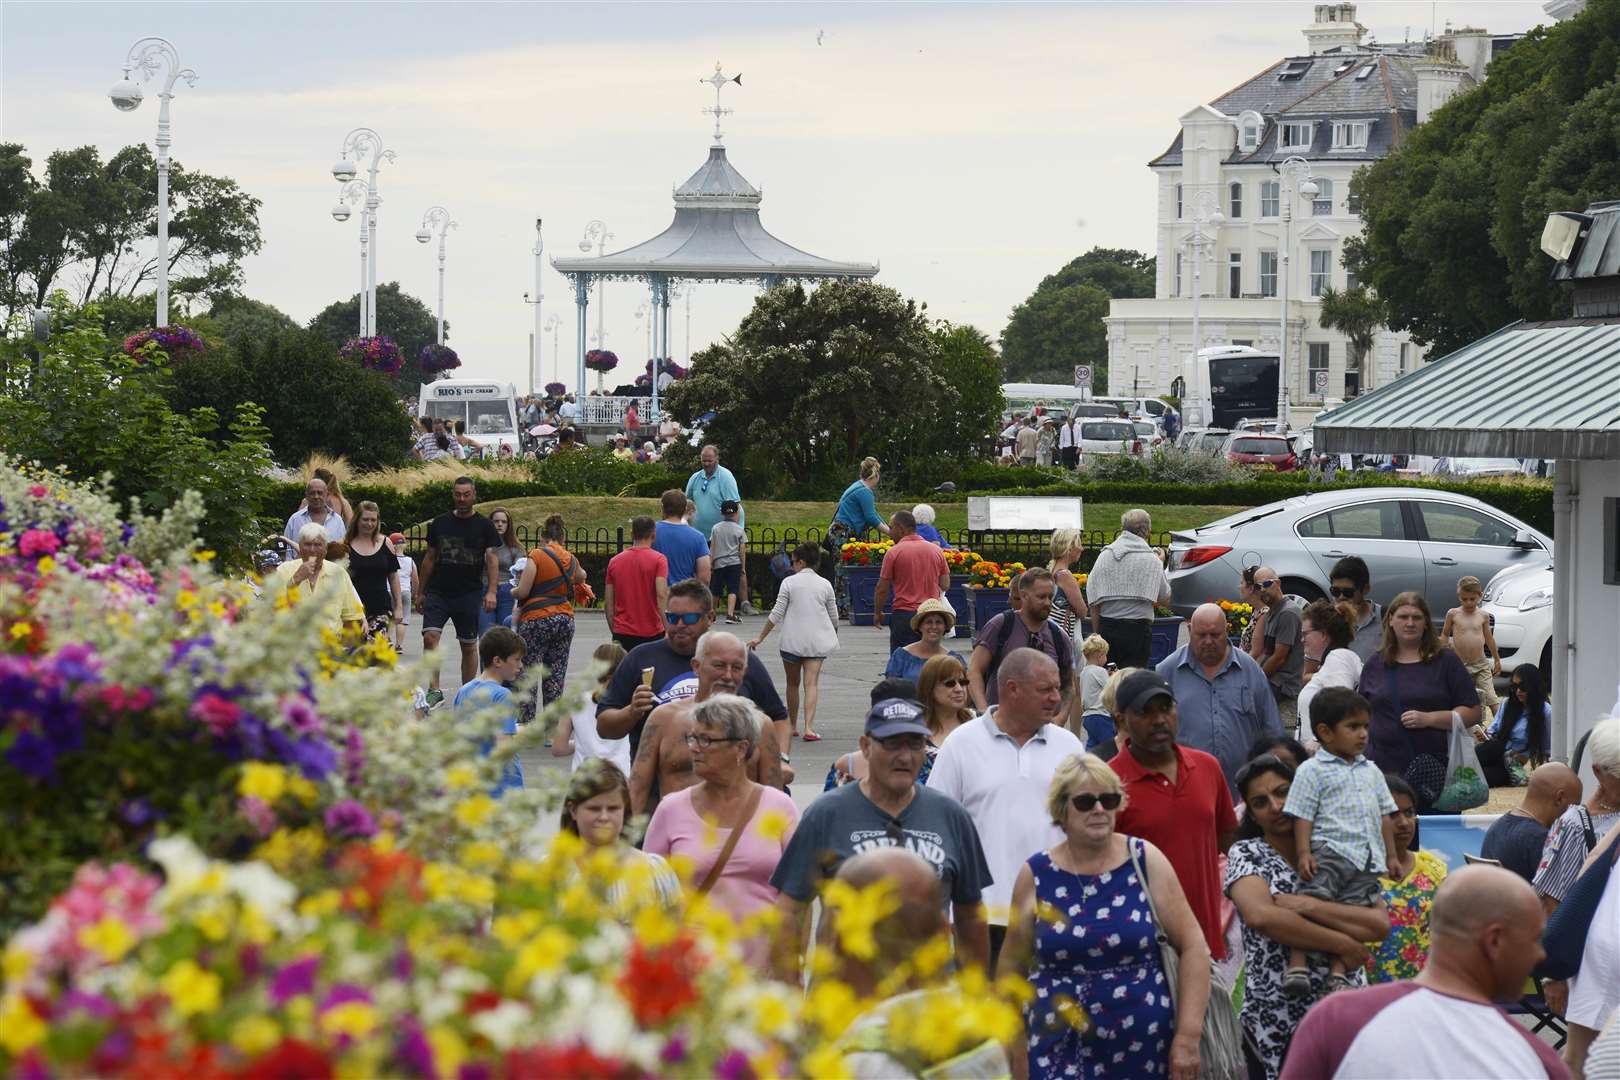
1278	647
1126	582
1349	583
1222	697
726	542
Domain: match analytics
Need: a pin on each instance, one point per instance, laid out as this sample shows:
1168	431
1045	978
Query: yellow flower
461	776
303	789
831	1006
448	1050
475	811
20	630
20	1026
111	937
826	1063
262	781
859	910
45	565
15	962
185	599
772	826
544	953
203	555
356	1019
190	989
772	1015
253	1035
481	853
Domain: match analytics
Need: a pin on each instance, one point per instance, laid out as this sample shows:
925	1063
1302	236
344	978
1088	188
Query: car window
1366	521
1452	524
1112	432
1213	440
1259	446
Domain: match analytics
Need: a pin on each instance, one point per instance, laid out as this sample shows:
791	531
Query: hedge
401	510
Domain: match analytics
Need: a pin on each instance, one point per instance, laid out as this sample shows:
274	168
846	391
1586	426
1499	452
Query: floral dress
1403	953
1100	951
1269	1015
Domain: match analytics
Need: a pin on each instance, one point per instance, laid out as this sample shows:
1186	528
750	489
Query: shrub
595	471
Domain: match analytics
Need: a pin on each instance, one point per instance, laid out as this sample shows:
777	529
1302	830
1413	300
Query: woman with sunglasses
1519	734
1102	1005
1261	881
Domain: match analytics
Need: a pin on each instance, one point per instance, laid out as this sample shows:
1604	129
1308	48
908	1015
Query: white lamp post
437	216
552	322
149	56
353	192
1206	212
597	232
360	142
535	372
1295	174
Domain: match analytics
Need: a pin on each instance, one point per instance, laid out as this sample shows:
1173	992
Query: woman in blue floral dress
1102	1007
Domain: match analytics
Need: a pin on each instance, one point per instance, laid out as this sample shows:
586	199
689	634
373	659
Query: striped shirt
1566	849
1345	802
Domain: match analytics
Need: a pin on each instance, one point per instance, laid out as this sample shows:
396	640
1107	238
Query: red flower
292	1060
658	982
575	1062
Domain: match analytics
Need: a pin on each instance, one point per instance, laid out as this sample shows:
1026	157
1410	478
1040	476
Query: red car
1271	451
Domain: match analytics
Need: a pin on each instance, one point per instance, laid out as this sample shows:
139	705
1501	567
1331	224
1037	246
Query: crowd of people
1124	837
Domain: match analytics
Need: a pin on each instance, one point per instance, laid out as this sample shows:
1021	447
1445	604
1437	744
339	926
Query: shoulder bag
1220	1043
1567	927
730	845
1425	772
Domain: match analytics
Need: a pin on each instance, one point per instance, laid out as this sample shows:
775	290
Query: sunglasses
1086	803
953	682
1266	584
690	618
1341	593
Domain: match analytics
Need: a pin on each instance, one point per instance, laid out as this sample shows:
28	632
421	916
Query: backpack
781	563
1065	659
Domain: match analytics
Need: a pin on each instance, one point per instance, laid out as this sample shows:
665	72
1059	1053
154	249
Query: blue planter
957	597
862	582
987	604
1166	636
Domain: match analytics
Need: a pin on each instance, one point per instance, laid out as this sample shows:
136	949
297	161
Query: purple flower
300	715
295	978
94	1004
137	812
734	1066
475	1070
354	755
32	756
349	818
258	814
343	993
674	1051
413	1048
404	964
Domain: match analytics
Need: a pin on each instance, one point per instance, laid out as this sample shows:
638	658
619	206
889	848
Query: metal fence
610	409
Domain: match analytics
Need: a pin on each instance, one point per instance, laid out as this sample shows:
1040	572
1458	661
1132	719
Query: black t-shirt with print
459	544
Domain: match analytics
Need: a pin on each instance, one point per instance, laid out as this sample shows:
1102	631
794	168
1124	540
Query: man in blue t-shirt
1516	838
500	653
682	546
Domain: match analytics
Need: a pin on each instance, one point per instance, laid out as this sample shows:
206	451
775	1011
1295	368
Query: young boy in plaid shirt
1340	804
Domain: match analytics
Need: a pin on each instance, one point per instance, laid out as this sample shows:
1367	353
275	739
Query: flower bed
993	575
863	553
1238	617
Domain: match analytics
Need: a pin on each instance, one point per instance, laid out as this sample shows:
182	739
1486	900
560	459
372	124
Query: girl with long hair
1519	733
506	555
374	569
596	810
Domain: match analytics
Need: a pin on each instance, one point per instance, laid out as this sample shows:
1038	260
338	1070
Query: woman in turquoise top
856	513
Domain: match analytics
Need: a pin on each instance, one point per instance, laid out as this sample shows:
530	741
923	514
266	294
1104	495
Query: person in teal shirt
708	488
857	507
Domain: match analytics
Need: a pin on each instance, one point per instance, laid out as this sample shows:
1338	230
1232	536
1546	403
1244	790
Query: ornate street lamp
1205	213
596	232
361	142
353	192
440	217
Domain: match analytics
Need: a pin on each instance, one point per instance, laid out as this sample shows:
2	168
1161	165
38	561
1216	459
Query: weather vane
718	81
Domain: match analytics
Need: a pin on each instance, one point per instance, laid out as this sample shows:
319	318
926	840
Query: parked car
1519	601
1202	440
1416	539
1244	448
1109	437
1149	434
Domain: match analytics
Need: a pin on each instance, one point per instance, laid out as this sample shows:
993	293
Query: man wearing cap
885	809
916	570
1222	697
999	767
1175	797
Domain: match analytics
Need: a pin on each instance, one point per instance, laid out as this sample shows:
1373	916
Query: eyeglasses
1266	584
690	618
1341	593
698	741
953	682
1086	803
894	744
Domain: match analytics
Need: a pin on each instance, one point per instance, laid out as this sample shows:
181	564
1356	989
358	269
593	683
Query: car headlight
1538	598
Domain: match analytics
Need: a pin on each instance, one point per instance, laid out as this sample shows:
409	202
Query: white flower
262	889
503	1024
183	865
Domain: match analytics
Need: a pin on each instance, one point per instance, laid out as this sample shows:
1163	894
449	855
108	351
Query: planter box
1166	637
958	596
987	604
862	583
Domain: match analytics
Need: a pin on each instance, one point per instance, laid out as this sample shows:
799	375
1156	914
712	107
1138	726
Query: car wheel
1302	589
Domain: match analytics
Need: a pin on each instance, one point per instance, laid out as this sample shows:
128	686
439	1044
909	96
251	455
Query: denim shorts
795	658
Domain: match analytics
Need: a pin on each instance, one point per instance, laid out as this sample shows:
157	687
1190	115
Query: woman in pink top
697	823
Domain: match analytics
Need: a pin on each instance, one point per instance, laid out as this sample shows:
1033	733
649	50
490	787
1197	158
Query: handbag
721	859
1220	1042
1564	939
1465	786
1425	772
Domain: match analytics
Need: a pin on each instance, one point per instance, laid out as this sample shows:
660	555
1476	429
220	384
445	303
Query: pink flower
38	542
258	814
219	714
38	491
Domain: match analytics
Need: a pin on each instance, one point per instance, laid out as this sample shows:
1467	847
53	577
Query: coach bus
1242	384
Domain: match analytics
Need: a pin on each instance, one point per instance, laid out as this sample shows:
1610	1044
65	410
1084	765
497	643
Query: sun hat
934	606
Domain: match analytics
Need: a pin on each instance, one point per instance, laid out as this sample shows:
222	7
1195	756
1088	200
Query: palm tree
1357	314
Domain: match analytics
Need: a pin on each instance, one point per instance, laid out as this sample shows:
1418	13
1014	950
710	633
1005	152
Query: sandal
811	736
1297	982
1338	982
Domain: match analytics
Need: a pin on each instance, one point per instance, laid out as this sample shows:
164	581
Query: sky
969	148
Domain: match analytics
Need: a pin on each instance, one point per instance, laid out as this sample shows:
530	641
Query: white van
489	409
1151	409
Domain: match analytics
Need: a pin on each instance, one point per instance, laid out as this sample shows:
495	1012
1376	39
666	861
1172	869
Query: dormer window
1366	72
1293	71
1344	67
1298	136
1351	134
1251	125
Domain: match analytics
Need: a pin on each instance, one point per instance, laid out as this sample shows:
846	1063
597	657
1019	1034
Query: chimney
1473	50
1439	77
1335	28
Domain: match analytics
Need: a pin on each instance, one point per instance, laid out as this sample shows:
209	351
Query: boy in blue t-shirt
500	654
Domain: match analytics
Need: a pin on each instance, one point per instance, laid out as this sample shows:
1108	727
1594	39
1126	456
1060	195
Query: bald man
1516	838
1485	930
1221	693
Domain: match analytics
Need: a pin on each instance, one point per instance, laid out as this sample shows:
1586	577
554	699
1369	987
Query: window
1350	134
1449	523
1369	521
1298	136
1234	274
1178	202
1406	357
1352	375
1234	193
1321	270
1350	280
1270	198
1268	273
1344	67
1250	127
1322	205
1247	343
1316	380
1293	71
1361	76
1176	288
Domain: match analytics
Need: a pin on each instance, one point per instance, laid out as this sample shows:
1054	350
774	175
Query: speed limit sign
1319	381
1082	376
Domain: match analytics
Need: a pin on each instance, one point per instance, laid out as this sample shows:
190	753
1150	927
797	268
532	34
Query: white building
1340	106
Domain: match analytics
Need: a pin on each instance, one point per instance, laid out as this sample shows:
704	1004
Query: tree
812	382
1357	314
1454	215
234	315
968	363
399	315
1060	324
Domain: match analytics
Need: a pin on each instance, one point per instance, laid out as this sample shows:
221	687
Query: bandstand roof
717	235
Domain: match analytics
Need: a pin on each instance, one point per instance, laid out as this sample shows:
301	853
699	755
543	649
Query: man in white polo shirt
1485	928
999	767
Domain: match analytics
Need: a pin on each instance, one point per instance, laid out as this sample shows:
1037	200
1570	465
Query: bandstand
716	237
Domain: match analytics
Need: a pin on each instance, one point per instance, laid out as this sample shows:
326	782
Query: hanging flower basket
555	389
180	342
601	360
435	358
377	353
669	367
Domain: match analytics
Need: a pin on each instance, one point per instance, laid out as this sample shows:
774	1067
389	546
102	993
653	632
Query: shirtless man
1468	634
720	662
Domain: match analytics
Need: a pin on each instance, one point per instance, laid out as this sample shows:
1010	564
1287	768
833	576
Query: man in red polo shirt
916	570
1176	797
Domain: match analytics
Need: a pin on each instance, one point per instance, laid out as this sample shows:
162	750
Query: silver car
1412	539
1109	437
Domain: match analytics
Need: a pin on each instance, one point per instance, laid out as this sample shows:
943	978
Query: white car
1109	437
1519	601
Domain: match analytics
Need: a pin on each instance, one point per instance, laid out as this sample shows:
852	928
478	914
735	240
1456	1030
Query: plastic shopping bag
1465	786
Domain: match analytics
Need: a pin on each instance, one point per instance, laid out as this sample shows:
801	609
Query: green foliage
1453	217
1060	324
400	316
83	408
813	382
969	364
400	510
1355	313
1167	465
313	399
234	316
595	471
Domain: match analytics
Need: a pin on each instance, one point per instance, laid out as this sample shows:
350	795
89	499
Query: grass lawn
607	512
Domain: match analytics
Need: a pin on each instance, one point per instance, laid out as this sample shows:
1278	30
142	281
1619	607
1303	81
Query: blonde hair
1063	542
1468	583
612	654
869	468
1094	645
1077	769
1111	691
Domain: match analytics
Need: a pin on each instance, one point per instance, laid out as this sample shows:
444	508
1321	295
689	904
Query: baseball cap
1139	688
729	506
396	538
895	716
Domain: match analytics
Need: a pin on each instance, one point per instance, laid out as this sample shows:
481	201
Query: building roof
716	234
1531	390
1599	252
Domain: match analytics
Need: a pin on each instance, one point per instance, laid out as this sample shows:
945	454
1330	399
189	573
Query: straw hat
934	607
